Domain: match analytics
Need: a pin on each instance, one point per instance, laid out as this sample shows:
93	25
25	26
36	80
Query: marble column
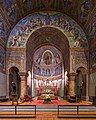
72	84
23	77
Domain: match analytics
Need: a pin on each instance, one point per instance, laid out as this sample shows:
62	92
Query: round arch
14	82
41	29
24	28
80	83
48	37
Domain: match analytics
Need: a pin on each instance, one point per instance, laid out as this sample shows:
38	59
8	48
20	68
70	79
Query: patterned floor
47	116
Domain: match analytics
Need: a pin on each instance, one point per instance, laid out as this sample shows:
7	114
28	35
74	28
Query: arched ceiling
22	31
47	36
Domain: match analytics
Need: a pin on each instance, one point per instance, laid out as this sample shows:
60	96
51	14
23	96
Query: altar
47	90
43	96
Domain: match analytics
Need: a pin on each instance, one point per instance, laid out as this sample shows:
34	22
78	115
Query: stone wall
3	84
28	62
92	83
92	87
17	58
79	58
3	37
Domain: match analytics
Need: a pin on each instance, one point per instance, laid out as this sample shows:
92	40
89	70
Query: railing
63	111
18	110
76	111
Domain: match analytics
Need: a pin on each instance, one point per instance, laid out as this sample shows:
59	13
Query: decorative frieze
93	58
2	58
16	59
78	59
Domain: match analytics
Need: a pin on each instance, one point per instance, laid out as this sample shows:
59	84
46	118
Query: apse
47	70
47	63
47	60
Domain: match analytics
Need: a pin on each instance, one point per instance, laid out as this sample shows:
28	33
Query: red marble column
23	77
72	84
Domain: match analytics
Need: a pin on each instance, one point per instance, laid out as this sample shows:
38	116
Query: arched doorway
41	48
80	83
39	32
14	82
47	71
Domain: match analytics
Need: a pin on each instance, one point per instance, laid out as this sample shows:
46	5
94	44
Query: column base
72	99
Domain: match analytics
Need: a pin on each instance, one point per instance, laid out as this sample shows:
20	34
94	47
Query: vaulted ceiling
50	36
14	10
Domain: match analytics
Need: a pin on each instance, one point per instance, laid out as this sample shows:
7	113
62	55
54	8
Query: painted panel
67	3
84	9
2	30
92	28
3	85
27	5
10	8
2	57
93	57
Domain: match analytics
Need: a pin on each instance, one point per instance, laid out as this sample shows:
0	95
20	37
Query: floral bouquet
47	98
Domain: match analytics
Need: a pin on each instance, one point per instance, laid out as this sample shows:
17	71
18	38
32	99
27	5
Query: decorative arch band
25	27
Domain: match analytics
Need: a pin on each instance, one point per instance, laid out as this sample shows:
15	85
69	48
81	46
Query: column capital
72	76
23	74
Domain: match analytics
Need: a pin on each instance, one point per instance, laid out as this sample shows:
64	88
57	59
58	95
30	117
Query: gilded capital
23	75
72	76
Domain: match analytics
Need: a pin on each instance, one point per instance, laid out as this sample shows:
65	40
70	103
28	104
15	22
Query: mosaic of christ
47	58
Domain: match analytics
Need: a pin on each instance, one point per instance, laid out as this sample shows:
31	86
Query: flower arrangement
47	98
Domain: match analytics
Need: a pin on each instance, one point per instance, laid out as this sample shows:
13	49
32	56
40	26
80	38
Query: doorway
80	83
48	60
14	82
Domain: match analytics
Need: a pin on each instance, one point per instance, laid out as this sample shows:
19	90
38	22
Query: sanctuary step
52	97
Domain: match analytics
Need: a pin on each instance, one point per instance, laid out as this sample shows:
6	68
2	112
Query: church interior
48	50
